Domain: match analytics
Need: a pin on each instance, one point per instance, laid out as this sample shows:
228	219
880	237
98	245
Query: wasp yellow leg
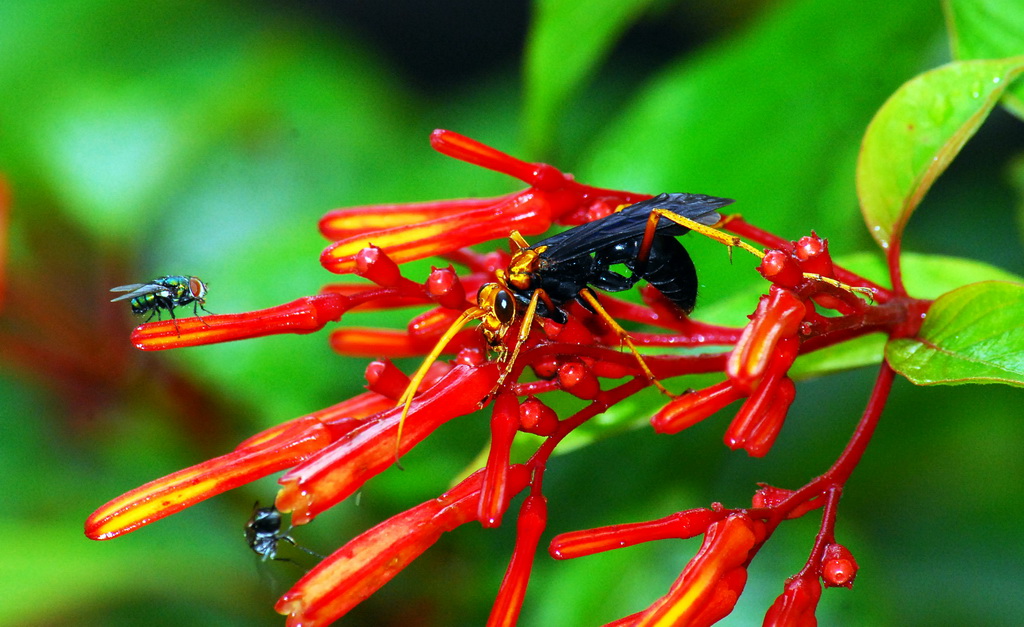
707	231
524	332
732	240
624	336
405	400
863	291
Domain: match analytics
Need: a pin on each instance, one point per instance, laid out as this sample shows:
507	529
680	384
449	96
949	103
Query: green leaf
567	40
927	276
974	334
918	132
988	29
771	116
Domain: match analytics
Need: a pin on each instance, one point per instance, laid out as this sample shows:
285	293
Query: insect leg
405	400
730	241
624	336
524	332
707	231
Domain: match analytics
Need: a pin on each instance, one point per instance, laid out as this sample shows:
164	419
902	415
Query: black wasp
541	279
165	293
263	533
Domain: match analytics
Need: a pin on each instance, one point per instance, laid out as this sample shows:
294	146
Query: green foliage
972	334
208	137
918	132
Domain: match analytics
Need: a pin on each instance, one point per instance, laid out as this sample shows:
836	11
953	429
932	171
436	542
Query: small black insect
541	279
263	533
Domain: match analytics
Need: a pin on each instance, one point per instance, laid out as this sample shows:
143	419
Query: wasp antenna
473	313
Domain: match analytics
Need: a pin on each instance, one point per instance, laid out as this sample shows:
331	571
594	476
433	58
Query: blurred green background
207	138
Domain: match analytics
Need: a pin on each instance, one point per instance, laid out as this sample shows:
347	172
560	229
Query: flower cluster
810	304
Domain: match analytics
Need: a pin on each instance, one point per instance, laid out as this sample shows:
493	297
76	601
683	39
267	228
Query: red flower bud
303	315
764	432
384	378
578	380
686	524
812	251
546	367
781	269
373	263
445	287
537	418
838	568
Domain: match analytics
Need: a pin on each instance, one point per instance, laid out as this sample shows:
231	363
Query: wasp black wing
630	223
136	290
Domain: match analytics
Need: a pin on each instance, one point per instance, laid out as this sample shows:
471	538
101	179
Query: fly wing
630	223
135	290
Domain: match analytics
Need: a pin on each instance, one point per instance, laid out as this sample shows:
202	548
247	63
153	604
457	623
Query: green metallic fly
165	293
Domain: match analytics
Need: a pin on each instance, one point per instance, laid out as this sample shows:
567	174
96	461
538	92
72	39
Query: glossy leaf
918	132
974	334
770	116
988	29
567	40
925	276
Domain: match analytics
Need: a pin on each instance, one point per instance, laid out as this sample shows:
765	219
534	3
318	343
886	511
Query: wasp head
499	312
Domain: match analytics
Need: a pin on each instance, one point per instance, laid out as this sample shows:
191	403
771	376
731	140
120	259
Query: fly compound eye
197	288
504	307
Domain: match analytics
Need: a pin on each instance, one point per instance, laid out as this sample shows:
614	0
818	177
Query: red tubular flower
694	406
367	562
533	517
342	468
778	315
711	583
416	231
796	605
303	315
277	448
590	541
504	424
332	453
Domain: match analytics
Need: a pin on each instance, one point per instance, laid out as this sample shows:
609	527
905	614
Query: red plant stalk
810	304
